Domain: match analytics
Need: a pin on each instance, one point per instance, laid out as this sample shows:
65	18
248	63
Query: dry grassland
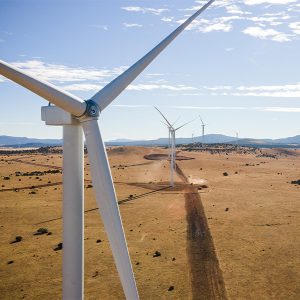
221	237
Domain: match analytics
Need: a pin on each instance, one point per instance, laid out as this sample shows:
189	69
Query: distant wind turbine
237	140
203	129
169	137
172	144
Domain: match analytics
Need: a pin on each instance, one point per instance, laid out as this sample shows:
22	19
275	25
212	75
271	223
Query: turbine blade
176	121
201	120
185	124
53	94
165	124
106	95
108	206
163	116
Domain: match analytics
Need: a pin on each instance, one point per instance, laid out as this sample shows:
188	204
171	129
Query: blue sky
237	65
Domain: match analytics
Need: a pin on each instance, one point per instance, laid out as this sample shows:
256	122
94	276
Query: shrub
295	182
17	239
58	247
156	254
41	231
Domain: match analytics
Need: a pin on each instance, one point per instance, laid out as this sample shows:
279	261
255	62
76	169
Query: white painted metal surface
73	213
172	159
108	206
55	116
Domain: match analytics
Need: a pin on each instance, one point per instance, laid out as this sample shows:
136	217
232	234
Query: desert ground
229	229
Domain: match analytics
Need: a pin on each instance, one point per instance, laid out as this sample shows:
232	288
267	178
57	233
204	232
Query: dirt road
206	275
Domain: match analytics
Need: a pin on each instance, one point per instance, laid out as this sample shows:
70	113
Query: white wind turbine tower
172	144
174	138
237	140
203	129
170	136
74	114
169	140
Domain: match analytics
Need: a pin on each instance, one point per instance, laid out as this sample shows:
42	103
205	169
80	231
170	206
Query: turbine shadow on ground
206	275
119	202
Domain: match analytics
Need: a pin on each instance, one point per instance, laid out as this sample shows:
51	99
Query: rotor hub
92	111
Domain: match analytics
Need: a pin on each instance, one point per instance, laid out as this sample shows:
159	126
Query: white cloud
61	73
208	25
286	87
278	109
216	27
273	91
167	19
283	109
83	87
218	87
150	87
284	91
279	2
284	94
217	3
90	79
295	26
255	108
155	11
270	20
270	34
236	10
262	23
130	25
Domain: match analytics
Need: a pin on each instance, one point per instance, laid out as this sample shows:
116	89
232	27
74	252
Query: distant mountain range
213	139
22	142
15	141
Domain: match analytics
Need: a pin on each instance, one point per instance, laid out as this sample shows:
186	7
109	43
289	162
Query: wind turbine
76	115
174	138
203	128
237	140
170	135
172	144
169	140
